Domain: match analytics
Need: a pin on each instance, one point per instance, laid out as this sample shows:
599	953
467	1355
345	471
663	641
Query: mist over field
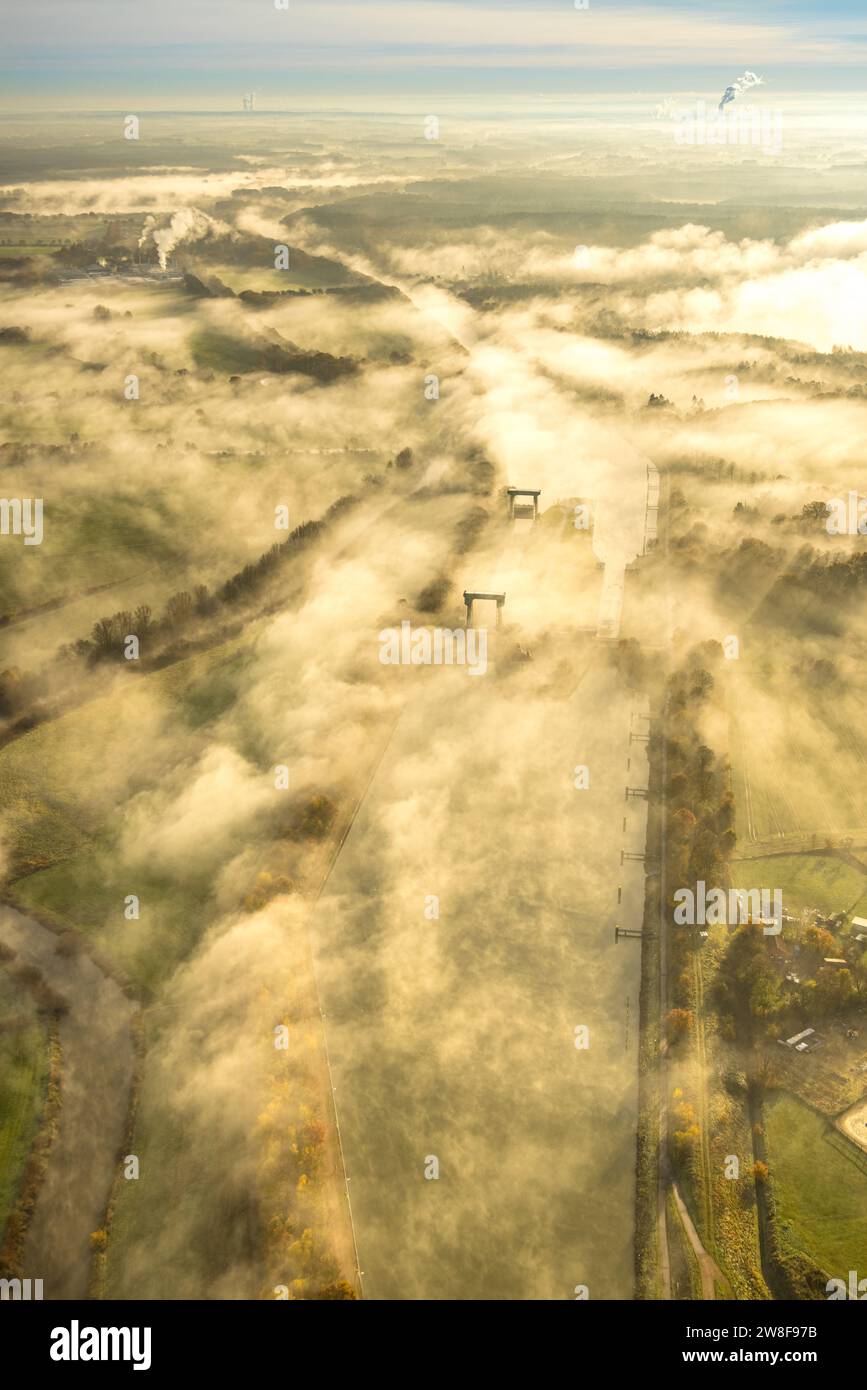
271	375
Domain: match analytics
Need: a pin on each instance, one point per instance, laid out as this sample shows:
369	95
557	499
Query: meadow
24	1063
821	1195
821	882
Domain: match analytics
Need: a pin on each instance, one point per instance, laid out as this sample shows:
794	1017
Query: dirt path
663	1176
708	1267
96	1072
701	1093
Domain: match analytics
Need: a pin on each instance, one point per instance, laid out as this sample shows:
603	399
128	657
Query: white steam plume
187	224
742	84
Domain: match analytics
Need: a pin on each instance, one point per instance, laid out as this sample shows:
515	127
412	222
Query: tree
748	986
314	819
179	610
684	1141
814	511
338	1290
858	971
834	989
818	940
678	1024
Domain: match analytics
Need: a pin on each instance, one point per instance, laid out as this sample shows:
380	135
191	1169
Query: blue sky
155	53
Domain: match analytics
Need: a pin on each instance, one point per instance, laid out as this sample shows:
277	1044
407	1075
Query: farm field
786	770
821	1195
820	881
62	784
101	542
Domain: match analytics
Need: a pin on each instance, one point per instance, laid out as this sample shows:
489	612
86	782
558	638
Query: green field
807	880
65	787
821	1195
239	278
88	892
23	1077
87	542
10	252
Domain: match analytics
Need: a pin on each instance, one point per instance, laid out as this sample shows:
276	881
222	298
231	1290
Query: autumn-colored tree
819	940
678	1024
313	820
338	1290
683	1114
835	989
266	887
684	1141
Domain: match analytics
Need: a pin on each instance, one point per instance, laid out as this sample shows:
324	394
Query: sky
189	54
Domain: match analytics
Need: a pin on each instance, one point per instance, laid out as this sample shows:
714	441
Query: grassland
298	277
821	1196
87	543
822	881
14	252
24	1064
62	785
88	892
780	771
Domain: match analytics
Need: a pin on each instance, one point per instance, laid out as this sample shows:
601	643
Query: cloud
530	34
195	815
812	288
